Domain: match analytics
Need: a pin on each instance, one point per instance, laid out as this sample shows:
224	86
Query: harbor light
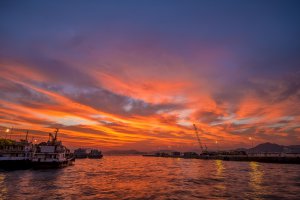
251	139
7	130
217	143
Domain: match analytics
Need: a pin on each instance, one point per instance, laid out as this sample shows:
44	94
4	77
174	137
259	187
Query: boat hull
52	165
80	156
95	157
15	164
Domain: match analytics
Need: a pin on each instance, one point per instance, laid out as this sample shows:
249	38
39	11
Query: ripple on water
121	177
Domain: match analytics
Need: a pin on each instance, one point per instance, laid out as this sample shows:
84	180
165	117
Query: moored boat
94	154
15	154
52	154
80	153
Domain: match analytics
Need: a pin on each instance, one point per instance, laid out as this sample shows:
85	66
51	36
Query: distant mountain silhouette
163	151
241	149
261	148
271	147
124	152
134	152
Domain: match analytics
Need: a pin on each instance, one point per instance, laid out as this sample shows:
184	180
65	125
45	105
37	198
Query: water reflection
220	167
133	177
256	179
3	188
220	179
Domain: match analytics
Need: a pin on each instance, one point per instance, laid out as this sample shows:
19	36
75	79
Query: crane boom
198	138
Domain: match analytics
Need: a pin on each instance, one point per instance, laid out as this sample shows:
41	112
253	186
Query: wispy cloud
141	82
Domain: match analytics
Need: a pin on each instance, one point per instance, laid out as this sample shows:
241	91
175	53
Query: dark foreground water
136	177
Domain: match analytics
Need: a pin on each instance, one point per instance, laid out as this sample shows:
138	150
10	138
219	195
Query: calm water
136	177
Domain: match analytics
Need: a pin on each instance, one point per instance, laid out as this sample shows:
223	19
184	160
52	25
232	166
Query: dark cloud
110	102
17	93
291	87
209	117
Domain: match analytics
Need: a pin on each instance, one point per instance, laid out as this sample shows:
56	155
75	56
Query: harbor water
137	177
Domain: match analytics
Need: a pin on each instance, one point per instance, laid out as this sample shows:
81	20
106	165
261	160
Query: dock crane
199	141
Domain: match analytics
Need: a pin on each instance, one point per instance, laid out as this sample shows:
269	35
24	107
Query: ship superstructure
15	154
52	154
94	153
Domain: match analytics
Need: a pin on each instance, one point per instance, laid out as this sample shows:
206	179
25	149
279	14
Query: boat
94	153
52	154
80	153
15	154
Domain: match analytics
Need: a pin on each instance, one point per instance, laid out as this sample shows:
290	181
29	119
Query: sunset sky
138	74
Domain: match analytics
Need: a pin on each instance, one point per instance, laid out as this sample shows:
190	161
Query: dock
284	158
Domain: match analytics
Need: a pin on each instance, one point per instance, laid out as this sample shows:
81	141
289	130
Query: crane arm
198	138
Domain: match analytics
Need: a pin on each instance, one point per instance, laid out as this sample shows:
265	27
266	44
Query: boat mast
55	137
26	137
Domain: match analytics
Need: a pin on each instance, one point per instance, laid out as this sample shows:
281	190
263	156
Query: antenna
56	131
26	136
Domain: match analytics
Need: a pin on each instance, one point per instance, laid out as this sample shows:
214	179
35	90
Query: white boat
15	155
52	154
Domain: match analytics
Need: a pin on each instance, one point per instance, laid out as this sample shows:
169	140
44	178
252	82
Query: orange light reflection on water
256	178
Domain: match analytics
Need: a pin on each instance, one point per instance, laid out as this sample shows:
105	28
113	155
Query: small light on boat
216	142
7	130
250	138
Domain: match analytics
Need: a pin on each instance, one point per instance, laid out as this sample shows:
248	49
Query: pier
288	156
284	158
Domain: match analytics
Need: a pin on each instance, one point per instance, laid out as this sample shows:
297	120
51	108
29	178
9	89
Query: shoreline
245	158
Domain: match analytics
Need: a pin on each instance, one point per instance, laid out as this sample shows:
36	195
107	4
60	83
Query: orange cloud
191	101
